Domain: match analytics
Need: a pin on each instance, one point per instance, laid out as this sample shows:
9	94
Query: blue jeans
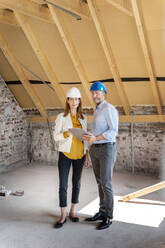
64	165
103	158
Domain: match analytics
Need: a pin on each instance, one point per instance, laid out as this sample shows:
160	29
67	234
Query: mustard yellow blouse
77	147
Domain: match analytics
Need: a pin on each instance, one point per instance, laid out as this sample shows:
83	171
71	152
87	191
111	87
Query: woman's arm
57	133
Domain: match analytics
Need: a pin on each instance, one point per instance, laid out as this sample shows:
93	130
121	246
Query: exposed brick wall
148	143
13	130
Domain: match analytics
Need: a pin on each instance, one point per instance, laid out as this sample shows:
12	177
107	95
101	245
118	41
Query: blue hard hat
98	86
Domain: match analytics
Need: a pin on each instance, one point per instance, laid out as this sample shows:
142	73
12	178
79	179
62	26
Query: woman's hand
87	162
68	133
89	138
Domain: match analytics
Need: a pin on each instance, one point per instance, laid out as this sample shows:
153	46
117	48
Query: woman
71	151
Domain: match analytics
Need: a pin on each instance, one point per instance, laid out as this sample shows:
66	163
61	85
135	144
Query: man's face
98	96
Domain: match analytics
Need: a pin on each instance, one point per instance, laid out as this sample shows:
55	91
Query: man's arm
112	119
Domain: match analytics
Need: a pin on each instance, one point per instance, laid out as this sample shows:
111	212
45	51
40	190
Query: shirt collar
100	105
74	116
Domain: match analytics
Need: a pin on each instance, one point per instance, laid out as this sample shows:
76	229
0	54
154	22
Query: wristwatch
98	138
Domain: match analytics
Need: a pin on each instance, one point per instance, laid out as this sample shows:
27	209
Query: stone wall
41	146
148	143
13	131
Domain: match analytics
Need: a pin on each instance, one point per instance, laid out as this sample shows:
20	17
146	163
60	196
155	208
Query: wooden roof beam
49	71
22	77
122	118
77	10
73	53
38	1
119	6
109	56
7	17
147	55
28	8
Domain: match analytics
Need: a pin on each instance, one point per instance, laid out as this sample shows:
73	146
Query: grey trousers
103	158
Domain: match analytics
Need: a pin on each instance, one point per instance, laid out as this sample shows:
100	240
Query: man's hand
87	162
89	138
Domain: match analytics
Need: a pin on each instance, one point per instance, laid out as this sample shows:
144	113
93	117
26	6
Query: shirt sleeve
112	118
57	133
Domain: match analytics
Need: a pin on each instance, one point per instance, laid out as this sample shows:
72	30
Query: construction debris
4	193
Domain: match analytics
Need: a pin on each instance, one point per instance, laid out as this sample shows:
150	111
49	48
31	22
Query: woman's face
73	102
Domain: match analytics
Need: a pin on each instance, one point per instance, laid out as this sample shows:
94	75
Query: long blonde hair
79	109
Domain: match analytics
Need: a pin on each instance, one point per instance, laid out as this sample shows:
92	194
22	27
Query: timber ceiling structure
66	43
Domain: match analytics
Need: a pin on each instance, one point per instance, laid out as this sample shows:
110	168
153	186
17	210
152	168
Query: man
103	152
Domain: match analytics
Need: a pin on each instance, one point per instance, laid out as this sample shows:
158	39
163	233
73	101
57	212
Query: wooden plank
39	119
32	38
144	191
122	118
28	8
109	55
73	54
21	75
7	17
147	54
119	6
143	118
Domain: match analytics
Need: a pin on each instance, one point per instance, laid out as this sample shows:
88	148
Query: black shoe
59	224
97	216
73	219
104	224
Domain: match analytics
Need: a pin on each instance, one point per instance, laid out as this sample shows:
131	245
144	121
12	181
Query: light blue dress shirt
105	122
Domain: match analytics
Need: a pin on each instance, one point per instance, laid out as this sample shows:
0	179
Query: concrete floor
27	222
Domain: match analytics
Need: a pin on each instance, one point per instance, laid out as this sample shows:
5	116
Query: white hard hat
73	93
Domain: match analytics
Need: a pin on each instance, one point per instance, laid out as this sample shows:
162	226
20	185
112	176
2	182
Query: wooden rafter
142	118
61	4
29	32
109	55
73	53
7	17
28	8
119	6
37	10
21	75
38	1
147	55
122	118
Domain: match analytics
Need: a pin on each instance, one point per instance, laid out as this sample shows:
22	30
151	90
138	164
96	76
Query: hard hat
98	86
73	93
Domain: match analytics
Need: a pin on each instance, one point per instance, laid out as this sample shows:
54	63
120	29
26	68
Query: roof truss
28	8
147	54
119	6
109	54
75	10
30	34
72	52
35	9
21	75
